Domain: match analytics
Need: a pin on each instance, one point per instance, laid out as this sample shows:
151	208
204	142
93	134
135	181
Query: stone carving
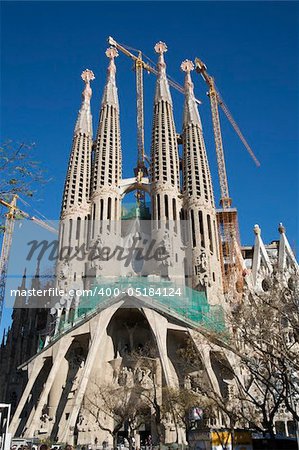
138	374
187	382
160	47
126	377
111	52
87	75
64	271
45	418
201	267
76	359
187	65
82	423
146	381
79	211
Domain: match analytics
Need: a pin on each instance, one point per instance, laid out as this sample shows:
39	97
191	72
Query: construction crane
13	213
226	216
215	99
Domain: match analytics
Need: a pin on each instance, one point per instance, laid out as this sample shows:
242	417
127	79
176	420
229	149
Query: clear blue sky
250	47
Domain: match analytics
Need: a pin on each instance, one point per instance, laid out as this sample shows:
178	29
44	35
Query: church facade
130	335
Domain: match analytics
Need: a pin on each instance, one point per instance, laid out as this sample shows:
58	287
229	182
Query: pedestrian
43	447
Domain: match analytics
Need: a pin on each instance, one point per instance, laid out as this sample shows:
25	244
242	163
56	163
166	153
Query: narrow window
174	208
158	206
193	228
78	229
115	208
210	233
109	209
101	209
70	230
93	220
166	207
201	229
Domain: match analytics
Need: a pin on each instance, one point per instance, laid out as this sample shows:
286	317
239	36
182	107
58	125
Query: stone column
62	347
57	388
98	331
34	368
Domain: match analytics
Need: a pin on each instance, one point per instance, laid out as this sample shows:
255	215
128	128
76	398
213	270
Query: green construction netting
130	212
164	295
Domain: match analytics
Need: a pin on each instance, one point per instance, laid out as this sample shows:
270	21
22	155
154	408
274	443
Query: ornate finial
160	47
187	66
256	230
281	228
87	75
111	52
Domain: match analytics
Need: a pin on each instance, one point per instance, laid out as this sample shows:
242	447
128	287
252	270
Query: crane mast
141	169
232	265
140	115
7	240
225	199
6	244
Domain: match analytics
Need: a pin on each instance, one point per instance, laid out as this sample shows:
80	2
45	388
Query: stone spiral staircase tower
199	205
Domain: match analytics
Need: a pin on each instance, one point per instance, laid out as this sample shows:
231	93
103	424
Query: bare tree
261	372
19	171
265	332
123	405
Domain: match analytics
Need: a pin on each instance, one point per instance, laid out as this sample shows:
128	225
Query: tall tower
76	189
75	206
107	164
198	198
164	149
165	176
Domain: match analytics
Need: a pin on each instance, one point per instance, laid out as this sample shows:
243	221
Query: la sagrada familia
57	362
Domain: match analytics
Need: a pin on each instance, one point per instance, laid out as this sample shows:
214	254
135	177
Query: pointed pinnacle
281	228
87	76
160	47
187	66
256	229
111	53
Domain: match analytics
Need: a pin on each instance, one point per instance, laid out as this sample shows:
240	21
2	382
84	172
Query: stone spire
84	121
164	149
199	207
75	212
162	86
196	173
107	160
76	190
107	166
110	96
286	257
191	114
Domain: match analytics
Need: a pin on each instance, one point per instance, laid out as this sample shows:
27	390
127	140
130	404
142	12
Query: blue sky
251	48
